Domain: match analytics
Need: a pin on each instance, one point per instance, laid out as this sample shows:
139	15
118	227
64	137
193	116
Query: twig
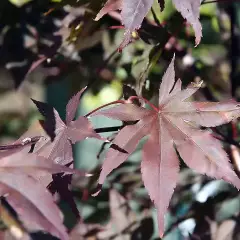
219	1
24	142
103	146
234	49
108	129
155	17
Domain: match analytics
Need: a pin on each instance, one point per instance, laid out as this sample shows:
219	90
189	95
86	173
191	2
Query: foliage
174	122
79	41
133	13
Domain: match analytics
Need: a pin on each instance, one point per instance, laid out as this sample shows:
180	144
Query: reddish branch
25	142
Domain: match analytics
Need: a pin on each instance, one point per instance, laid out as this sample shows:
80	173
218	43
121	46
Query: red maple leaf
19	183
134	11
58	147
173	125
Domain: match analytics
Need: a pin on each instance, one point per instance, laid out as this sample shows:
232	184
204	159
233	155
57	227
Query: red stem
103	106
217	137
145	100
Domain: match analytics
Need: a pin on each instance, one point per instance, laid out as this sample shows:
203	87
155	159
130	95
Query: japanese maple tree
36	170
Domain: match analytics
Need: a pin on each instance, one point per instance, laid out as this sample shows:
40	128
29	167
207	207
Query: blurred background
49	50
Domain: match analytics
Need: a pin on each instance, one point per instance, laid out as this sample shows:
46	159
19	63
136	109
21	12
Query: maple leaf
35	64
19	171
173	125
110	5
29	163
134	11
33	203
190	10
62	134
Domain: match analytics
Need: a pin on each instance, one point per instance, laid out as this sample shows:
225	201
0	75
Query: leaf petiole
145	100
103	106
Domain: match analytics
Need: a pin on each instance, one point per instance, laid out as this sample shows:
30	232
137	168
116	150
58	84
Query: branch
24	142
108	129
227	139
219	1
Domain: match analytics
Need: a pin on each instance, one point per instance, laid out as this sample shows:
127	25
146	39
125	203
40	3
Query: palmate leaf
59	148
24	175
19	183
190	11
134	11
170	127
19	172
31	164
111	5
32	202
